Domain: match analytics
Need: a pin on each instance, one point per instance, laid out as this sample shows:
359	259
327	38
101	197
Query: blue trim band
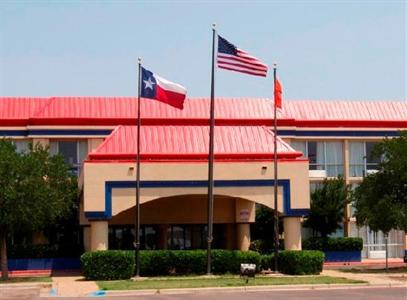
65	132
110	185
13	132
106	132
346	133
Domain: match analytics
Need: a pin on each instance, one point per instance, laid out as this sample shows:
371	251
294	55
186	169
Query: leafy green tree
381	199
262	231
35	191
328	204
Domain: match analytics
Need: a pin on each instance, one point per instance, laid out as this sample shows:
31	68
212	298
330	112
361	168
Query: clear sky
324	49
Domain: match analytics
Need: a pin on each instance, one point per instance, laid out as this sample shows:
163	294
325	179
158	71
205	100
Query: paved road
394	293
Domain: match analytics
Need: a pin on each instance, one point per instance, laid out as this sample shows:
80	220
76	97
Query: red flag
278	90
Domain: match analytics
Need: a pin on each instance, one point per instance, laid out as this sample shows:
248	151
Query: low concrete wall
343	256
25	264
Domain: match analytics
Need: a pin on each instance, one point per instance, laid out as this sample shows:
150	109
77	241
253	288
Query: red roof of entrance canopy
191	142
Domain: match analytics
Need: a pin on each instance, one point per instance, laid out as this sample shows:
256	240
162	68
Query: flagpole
211	157
137	242
276	231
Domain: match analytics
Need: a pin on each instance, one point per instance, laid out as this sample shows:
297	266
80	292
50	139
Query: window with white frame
322	155
21	145
73	152
361	160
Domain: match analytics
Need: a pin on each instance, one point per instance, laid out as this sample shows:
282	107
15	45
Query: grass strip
26	279
176	282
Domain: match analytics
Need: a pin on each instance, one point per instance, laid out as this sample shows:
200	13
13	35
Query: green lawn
222	281
26	279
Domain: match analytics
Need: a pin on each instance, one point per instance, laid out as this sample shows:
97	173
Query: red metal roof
346	110
229	111
16	111
191	142
123	111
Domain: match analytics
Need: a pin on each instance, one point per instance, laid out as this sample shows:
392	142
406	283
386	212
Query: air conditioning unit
377	254
317	173
368	172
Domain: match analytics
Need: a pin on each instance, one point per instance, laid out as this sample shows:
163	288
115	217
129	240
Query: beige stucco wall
96	174
186	209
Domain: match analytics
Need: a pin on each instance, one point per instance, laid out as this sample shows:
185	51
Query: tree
35	190
381	199
328	203
262	231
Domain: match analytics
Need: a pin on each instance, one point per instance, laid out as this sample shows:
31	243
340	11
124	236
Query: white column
99	235
86	238
292	233
243	236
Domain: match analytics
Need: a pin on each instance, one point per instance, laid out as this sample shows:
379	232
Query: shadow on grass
396	270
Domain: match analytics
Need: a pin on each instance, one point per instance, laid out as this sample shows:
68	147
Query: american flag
233	59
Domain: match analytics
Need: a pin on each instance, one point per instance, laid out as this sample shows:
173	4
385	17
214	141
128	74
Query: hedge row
333	244
116	264
181	262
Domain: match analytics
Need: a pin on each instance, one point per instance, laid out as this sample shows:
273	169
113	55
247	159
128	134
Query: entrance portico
174	187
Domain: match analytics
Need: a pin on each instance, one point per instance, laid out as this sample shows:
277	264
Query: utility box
247	270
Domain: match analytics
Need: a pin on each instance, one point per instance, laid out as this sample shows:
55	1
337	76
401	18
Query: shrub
300	262
108	265
333	244
189	261
228	261
155	263
267	262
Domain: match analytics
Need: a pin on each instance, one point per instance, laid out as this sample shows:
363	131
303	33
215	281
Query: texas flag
156	87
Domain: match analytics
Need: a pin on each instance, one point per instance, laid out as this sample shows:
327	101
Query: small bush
155	263
300	262
228	261
108	265
189	262
333	244
267	262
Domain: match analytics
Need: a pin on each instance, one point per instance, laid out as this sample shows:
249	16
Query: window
361	159
352	207
179	237
313	186
21	145
123	237
322	155
74	152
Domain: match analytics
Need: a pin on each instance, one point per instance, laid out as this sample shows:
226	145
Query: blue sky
324	49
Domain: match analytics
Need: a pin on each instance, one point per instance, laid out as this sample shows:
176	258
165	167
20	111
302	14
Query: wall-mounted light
130	172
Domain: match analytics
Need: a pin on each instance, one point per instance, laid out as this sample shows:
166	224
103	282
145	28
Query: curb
248	289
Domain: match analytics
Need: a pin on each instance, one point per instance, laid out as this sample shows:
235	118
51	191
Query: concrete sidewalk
366	263
387	279
72	286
